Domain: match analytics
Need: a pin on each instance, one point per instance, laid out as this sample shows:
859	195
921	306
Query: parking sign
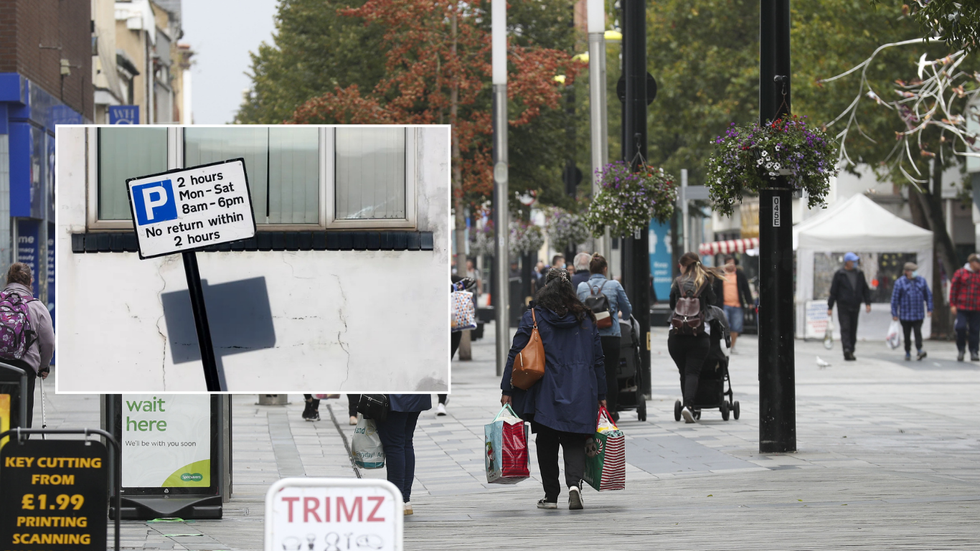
188	209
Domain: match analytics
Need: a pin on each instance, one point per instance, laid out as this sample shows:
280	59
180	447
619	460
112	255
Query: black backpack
599	305
687	317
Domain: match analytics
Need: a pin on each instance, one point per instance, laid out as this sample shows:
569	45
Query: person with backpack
26	338
688	342
606	298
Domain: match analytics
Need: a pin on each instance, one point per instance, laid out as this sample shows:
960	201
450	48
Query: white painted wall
347	321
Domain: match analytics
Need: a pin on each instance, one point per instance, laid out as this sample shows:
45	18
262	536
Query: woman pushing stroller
689	342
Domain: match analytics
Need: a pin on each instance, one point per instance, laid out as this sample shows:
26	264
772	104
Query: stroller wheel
724	410
735	410
677	410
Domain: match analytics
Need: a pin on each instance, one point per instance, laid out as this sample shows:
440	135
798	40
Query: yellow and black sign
55	495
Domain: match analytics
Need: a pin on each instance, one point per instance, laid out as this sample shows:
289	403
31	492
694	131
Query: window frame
327	184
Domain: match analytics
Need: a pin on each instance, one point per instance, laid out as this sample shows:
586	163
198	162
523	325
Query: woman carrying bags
562	406
690	350
611	334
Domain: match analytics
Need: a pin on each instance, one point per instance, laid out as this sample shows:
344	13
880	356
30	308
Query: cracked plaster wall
344	320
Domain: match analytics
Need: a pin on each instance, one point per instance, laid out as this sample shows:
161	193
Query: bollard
273	399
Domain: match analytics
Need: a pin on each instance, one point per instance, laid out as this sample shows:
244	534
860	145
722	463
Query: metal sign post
184	210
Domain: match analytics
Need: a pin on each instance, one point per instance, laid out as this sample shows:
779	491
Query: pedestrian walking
733	295
28	340
690	350
964	301
455	337
312	410
610	336
397	434
563	405
582	273
849	289
908	296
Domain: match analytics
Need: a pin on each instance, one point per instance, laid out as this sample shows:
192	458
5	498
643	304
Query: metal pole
777	379
637	278
684	211
501	216
201	322
597	105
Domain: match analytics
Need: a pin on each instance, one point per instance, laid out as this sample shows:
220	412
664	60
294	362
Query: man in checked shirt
908	296
964	300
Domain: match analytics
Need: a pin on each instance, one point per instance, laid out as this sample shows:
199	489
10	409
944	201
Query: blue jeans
396	435
966	318
736	318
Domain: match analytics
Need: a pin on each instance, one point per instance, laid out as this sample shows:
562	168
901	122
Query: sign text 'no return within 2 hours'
189	209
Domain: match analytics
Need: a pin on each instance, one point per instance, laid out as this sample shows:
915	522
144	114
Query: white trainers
440	409
574	498
408	509
688	415
545	504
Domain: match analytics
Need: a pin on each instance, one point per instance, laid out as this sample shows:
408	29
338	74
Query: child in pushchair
714	373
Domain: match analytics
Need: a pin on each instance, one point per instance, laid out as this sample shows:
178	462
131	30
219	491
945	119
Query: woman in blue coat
397	433
610	336
563	405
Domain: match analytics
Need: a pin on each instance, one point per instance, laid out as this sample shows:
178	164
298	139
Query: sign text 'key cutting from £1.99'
189	209
325	513
54	495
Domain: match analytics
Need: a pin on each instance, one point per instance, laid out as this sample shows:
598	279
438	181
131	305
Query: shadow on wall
239	316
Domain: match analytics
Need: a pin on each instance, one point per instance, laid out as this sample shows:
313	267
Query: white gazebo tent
857	225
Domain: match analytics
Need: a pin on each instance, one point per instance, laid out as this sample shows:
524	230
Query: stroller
714	373
629	373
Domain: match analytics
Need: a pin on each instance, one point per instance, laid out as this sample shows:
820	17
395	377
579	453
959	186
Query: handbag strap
534	318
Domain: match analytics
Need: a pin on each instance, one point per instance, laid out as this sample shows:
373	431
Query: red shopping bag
506	454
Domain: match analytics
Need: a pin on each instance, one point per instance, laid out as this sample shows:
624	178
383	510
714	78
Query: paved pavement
889	458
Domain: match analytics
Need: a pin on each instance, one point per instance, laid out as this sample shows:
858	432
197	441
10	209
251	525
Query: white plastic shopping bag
894	336
366	446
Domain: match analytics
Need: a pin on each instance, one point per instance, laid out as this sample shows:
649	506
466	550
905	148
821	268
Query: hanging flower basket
482	241
749	158
525	238
565	230
628	200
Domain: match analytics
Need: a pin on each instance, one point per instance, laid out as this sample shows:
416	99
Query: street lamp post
501	216
777	378
597	103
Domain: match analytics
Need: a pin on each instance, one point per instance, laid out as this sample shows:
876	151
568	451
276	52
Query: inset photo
253	259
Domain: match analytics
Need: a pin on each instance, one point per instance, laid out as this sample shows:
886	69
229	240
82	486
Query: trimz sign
333	513
188	209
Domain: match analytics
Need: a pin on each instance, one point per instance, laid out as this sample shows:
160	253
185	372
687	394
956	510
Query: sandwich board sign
191	208
333	513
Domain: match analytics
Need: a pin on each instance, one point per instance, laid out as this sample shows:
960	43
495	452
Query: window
300	177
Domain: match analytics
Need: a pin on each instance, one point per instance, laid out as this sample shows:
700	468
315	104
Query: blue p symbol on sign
154	202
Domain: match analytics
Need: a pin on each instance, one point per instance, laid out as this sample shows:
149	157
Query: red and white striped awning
728	247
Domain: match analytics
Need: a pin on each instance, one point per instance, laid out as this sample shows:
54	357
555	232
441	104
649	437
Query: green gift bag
605	455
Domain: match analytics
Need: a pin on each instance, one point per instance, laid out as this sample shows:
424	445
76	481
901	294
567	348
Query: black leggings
610	350
689	354
573	450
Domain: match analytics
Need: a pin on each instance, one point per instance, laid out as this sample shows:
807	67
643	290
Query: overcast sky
222	33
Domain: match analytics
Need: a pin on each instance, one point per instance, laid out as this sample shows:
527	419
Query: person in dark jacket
964	302
848	289
733	295
690	351
582	272
563	405
397	433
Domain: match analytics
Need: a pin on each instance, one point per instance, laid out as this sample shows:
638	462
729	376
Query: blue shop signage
124	114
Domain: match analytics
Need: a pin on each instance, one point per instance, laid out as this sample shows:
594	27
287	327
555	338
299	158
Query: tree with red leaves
437	71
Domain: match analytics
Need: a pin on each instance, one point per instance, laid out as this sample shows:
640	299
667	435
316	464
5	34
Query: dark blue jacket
410	402
567	397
